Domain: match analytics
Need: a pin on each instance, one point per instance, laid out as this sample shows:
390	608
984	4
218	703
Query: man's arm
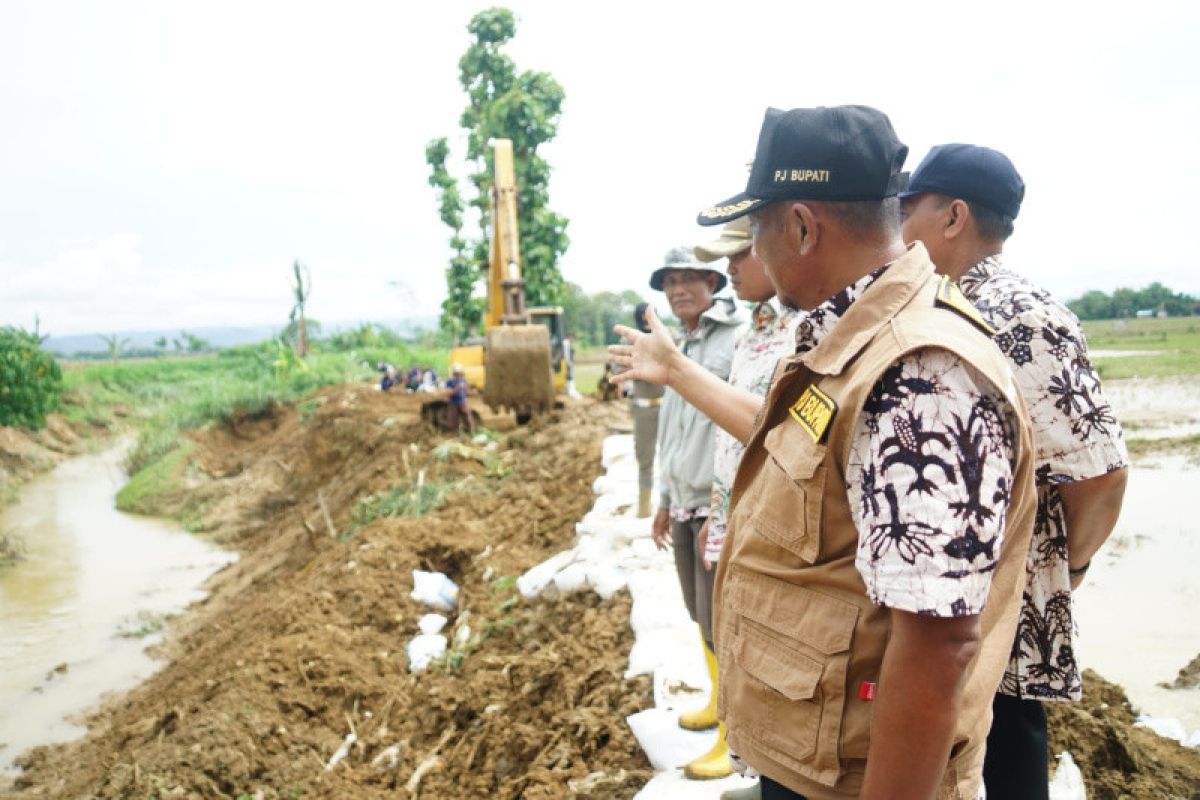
917	704
1090	509
654	358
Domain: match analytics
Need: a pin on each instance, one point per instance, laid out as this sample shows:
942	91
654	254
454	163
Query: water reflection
90	574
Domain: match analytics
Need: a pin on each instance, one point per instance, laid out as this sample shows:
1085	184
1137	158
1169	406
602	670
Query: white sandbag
1166	727
423	649
435	590
535	579
432	623
605	580
570	579
1067	783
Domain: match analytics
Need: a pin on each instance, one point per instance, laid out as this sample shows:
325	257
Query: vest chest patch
814	411
951	297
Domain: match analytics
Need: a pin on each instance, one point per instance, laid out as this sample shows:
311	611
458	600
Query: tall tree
502	103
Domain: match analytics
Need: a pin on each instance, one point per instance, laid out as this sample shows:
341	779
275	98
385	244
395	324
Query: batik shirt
929	475
1075	437
770	336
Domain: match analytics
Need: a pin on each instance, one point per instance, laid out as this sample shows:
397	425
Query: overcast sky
162	163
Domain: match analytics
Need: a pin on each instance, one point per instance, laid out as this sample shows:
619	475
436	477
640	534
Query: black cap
969	172
839	153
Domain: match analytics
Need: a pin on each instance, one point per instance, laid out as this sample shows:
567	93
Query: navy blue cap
841	153
969	172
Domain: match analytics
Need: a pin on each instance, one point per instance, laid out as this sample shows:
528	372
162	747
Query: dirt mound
1188	677
302	641
1120	761
24	454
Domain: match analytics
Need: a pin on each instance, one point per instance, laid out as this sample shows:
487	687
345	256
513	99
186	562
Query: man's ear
955	216
807	230
711	278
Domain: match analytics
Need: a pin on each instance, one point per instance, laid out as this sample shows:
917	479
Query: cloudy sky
162	163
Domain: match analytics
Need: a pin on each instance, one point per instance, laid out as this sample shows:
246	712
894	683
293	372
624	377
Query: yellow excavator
520	364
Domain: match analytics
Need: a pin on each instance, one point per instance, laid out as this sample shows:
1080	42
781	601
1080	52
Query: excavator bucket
518	368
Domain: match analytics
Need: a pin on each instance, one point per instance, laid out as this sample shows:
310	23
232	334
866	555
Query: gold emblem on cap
725	211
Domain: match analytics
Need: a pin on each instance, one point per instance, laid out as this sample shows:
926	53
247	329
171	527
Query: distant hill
218	336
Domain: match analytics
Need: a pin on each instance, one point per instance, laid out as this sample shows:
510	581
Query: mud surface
302	641
1120	761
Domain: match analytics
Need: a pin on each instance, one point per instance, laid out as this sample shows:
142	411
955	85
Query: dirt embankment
302	641
1120	761
24	454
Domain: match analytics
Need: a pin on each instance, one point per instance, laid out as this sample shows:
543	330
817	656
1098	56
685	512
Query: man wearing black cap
867	593
961	202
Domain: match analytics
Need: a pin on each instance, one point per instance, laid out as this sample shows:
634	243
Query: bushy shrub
30	380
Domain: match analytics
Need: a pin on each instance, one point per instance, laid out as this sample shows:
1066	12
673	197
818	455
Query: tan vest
796	633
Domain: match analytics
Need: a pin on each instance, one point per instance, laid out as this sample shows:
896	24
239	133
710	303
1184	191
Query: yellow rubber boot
704	718
714	763
643	503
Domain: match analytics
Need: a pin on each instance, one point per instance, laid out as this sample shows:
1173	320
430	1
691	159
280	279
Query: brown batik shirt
1075	437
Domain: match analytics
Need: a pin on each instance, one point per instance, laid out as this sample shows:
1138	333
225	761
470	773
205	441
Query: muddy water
78	612
1139	611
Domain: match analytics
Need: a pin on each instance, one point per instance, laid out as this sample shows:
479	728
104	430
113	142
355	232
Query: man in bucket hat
685	453
867	593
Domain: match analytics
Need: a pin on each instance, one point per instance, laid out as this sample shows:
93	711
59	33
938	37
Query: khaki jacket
796	634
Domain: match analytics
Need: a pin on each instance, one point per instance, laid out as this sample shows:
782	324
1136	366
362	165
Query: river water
91	594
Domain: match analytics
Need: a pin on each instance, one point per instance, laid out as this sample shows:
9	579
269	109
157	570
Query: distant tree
592	317
190	343
160	344
523	107
115	346
297	323
1125	302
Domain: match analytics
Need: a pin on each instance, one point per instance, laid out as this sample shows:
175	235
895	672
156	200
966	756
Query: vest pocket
794	481
784	681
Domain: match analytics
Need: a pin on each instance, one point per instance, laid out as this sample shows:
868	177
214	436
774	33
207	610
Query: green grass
405	499
1173	345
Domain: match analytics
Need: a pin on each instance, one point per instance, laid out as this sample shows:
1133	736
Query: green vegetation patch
406	499
31	382
160	481
1176	445
1171	346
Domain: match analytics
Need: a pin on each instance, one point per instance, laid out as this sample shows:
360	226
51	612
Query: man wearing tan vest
868	590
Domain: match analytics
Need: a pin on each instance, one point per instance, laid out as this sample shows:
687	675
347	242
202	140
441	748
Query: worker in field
459	414
868	589
685	451
644	401
770	336
961	202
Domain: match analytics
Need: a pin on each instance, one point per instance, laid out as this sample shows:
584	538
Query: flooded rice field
91	594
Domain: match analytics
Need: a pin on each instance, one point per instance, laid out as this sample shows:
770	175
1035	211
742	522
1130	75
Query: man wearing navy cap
961	202
867	592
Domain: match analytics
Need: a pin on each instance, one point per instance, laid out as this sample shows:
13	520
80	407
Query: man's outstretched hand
645	356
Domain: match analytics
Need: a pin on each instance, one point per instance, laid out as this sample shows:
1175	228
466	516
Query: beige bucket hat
735	238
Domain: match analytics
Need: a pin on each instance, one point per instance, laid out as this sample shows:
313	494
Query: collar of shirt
977	275
723	311
816	324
